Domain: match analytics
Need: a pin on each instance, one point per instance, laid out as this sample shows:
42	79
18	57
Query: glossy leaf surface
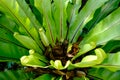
82	17
14	75
104	31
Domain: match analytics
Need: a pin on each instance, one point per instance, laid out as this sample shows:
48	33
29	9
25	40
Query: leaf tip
16	33
31	51
43	37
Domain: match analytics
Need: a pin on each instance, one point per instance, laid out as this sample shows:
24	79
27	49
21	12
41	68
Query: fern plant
60	39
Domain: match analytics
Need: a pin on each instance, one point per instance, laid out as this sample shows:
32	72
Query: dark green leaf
38	15
7	30
14	75
9	46
80	78
8	24
111	45
103	74
45	77
11	52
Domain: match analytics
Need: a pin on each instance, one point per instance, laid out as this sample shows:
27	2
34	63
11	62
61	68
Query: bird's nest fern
60	45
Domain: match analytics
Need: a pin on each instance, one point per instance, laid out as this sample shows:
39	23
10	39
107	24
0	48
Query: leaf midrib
78	26
105	29
48	22
8	41
96	20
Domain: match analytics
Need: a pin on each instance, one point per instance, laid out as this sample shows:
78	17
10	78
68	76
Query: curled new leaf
43	37
90	60
57	64
33	59
39	56
112	62
101	55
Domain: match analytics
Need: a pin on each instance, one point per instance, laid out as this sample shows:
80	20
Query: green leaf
8	44
29	13
111	45
112	62
14	75
39	56
7	23
7	36
7	30
32	61
104	31
57	64
28	42
81	78
90	60
48	20
82	18
103	74
85	49
20	16
101	13
72	10
43	37
8	52
60	17
37	14
45	77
